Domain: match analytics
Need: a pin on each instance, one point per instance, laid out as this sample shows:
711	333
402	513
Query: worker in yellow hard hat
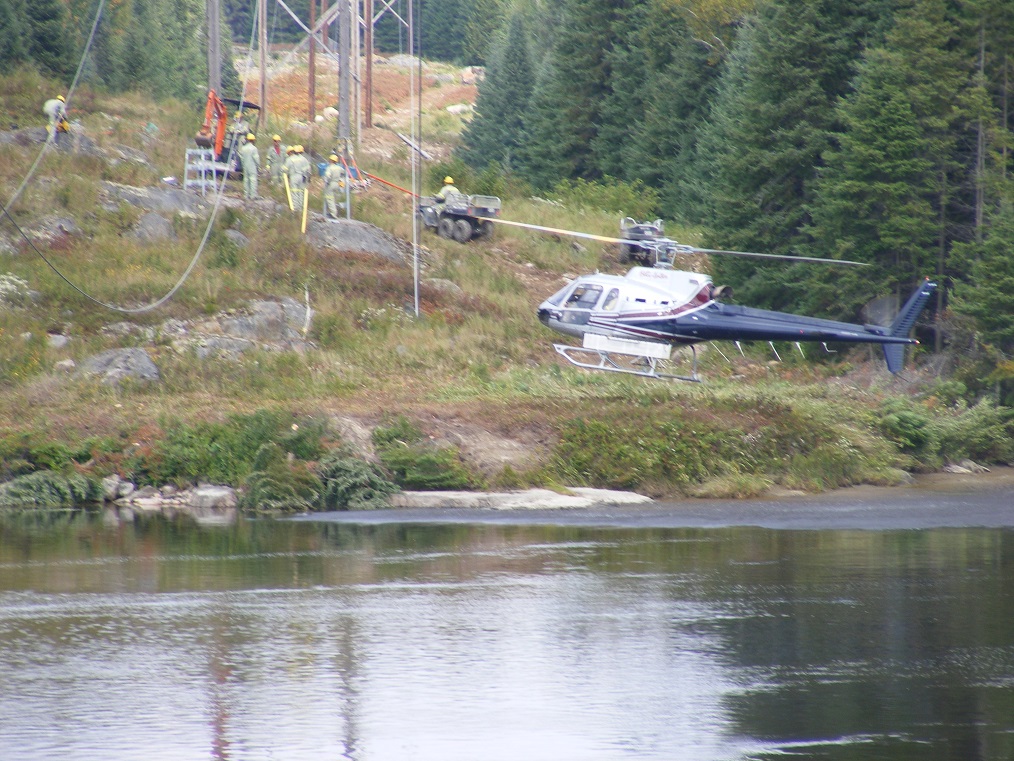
446	190
334	181
298	170
55	110
275	158
250	160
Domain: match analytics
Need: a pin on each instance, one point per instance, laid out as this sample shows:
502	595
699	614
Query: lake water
154	639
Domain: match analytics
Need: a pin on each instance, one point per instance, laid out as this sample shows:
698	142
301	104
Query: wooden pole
262	43
368	44
312	88
214	45
344	71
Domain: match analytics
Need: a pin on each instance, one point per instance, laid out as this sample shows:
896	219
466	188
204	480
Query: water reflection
297	640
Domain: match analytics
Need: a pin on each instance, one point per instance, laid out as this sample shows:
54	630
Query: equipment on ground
631	323
460	217
633	233
216	135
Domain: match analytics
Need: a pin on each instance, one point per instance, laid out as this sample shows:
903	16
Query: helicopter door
577	308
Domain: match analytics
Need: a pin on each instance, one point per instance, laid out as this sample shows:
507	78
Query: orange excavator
215	133
216	112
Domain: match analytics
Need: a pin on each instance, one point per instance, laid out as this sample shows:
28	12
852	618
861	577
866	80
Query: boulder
206	497
238	239
352	235
152	227
116	364
52	227
162	199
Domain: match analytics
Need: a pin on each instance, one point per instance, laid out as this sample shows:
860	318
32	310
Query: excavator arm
215	110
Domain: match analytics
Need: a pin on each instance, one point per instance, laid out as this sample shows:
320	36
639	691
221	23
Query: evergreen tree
621	111
12	43
541	163
572	85
482	19
872	200
496	132
678	90
989	297
48	36
773	119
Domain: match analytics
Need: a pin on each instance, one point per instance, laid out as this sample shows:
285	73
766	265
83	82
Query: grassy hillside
473	378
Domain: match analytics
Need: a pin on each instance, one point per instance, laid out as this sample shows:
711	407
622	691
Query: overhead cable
220	188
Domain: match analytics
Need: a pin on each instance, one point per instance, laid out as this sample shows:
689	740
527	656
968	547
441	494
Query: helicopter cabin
681	287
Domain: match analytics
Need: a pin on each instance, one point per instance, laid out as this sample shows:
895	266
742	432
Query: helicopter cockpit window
612	300
557	298
584	297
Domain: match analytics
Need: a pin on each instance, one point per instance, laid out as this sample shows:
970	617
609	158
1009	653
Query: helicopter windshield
584	297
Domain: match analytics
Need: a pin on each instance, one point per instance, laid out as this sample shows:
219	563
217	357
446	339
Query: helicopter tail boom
894	354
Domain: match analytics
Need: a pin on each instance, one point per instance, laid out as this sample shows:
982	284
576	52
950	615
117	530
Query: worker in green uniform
334	181
299	176
250	160
55	110
274	159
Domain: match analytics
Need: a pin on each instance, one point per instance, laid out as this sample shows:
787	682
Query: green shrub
415	463
907	428
829	466
46	488
984	433
353	484
426	467
611	195
277	485
224	452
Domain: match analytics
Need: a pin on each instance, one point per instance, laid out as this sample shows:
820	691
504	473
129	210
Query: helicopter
631	323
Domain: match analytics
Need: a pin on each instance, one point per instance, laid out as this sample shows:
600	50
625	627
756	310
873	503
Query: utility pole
262	43
214	26
344	71
368	44
312	89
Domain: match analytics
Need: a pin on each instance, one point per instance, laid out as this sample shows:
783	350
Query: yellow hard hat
448	180
60	97
251	136
276	137
299	149
291	149
333	158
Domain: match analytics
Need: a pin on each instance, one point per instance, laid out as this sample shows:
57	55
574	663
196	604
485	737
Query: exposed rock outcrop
115	365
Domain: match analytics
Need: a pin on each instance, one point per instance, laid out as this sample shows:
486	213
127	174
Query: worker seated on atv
447	190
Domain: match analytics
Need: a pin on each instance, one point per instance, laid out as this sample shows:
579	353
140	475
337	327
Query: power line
67	98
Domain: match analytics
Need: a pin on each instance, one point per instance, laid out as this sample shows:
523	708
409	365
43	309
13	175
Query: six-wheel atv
460	217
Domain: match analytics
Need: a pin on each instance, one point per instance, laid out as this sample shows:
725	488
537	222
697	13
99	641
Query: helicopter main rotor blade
787	257
673	246
558	231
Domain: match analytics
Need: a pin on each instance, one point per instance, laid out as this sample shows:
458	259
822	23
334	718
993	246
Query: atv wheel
462	231
486	230
445	228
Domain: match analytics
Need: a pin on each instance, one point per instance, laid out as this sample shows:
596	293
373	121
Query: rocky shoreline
209	503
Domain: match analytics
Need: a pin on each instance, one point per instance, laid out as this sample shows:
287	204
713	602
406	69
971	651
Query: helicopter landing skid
633	364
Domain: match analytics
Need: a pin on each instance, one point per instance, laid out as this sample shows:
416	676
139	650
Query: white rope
220	188
67	97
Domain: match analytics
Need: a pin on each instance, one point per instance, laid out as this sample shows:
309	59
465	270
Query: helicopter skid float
631	323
